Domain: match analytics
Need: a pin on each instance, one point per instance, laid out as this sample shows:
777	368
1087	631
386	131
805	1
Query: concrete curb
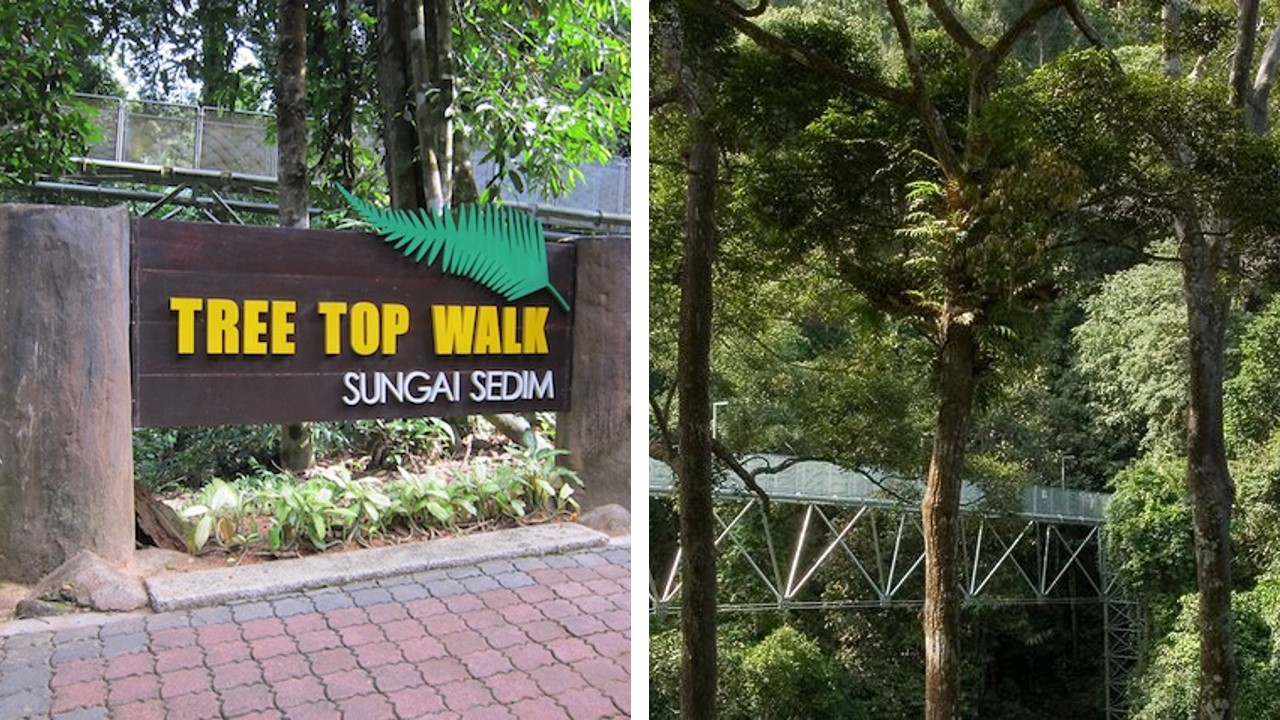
201	588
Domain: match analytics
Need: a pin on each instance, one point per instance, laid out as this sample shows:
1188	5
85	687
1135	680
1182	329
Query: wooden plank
188	260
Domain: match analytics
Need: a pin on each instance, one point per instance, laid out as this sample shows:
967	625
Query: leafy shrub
789	676
169	457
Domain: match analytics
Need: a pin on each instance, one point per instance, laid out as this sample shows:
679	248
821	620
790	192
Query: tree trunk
697	526
296	451
401	160
1209	482
940	517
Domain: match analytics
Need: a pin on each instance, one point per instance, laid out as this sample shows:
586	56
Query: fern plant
501	248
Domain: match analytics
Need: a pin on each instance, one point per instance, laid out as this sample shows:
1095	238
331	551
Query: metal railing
190	137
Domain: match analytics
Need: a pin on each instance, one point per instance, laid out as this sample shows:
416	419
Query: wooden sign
240	324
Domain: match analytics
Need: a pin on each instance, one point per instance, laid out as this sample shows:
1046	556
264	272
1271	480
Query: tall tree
958	267
296	448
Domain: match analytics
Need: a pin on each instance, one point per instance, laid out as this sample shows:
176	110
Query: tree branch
660	99
1242	56
748	477
929	115
774	43
1260	94
1020	27
954	27
1087	29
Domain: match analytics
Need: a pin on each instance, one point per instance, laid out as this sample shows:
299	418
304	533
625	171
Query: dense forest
1011	242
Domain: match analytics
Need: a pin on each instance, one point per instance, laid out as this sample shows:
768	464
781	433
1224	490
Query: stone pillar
66	459
597	429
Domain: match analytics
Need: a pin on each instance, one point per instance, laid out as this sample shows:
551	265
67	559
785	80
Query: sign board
239	324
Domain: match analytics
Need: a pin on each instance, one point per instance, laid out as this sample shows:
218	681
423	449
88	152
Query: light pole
715	408
1062	469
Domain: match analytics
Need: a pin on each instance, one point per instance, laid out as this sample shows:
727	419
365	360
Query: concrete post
66	461
597	428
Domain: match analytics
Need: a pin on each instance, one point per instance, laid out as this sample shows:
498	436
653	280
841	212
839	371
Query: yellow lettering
332	313
255	327
364	328
395	322
282	326
452	327
510	343
535	330
488	338
222	338
186	309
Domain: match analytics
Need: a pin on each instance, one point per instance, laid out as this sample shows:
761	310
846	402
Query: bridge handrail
151	133
827	483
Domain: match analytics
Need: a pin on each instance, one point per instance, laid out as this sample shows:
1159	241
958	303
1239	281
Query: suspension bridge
223	163
839	538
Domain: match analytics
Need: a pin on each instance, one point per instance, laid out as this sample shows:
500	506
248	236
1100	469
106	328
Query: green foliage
1149	529
501	248
42	46
1252	407
394	443
170	457
789	676
334	507
1165	687
1133	349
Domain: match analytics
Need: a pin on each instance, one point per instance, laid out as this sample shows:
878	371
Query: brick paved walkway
539	637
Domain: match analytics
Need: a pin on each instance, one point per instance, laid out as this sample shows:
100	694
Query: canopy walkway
838	538
224	163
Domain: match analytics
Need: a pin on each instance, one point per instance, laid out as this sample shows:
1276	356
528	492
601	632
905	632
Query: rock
36	608
88	581
612	520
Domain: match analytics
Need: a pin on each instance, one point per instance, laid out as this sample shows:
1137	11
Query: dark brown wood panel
311	266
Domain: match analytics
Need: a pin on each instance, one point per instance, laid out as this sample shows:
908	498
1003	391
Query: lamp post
715	408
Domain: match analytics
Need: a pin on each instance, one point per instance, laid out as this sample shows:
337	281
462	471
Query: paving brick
529	657
480	584
416	702
541	708
505	636
292	605
487	663
70	635
246	699
482	620
441	671
365	634
230	677
330	661
535	594
228	653
273	646
556	679
204	617
347	617
317	710
127	665
425	608
21	678
140	710
464	572
377	655
397	630
371	596
521	614
30	703
162	621
184	682
544	631
309	642
392	678
116	645
583	625
77	695
446	588
179	658
215	634
405	593
422	648
285	666
463	604
76	650
594	604
201	706
560	561
347	683
328	601
97	713
513	580
298	691
586	703
387	612
134	688
245	612
464	642
512	686
77	671
609	645
463	695
367	707
496	567
262	628
176	637
599	671
123	626
304	623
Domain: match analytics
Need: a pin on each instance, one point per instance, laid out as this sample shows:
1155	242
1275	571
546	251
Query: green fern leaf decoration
501	248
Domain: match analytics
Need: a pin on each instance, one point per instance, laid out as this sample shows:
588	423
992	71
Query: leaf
501	248
200	534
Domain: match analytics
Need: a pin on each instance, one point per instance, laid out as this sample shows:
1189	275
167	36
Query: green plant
307	510
220	511
392	443
501	248
550	483
418	499
362	499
